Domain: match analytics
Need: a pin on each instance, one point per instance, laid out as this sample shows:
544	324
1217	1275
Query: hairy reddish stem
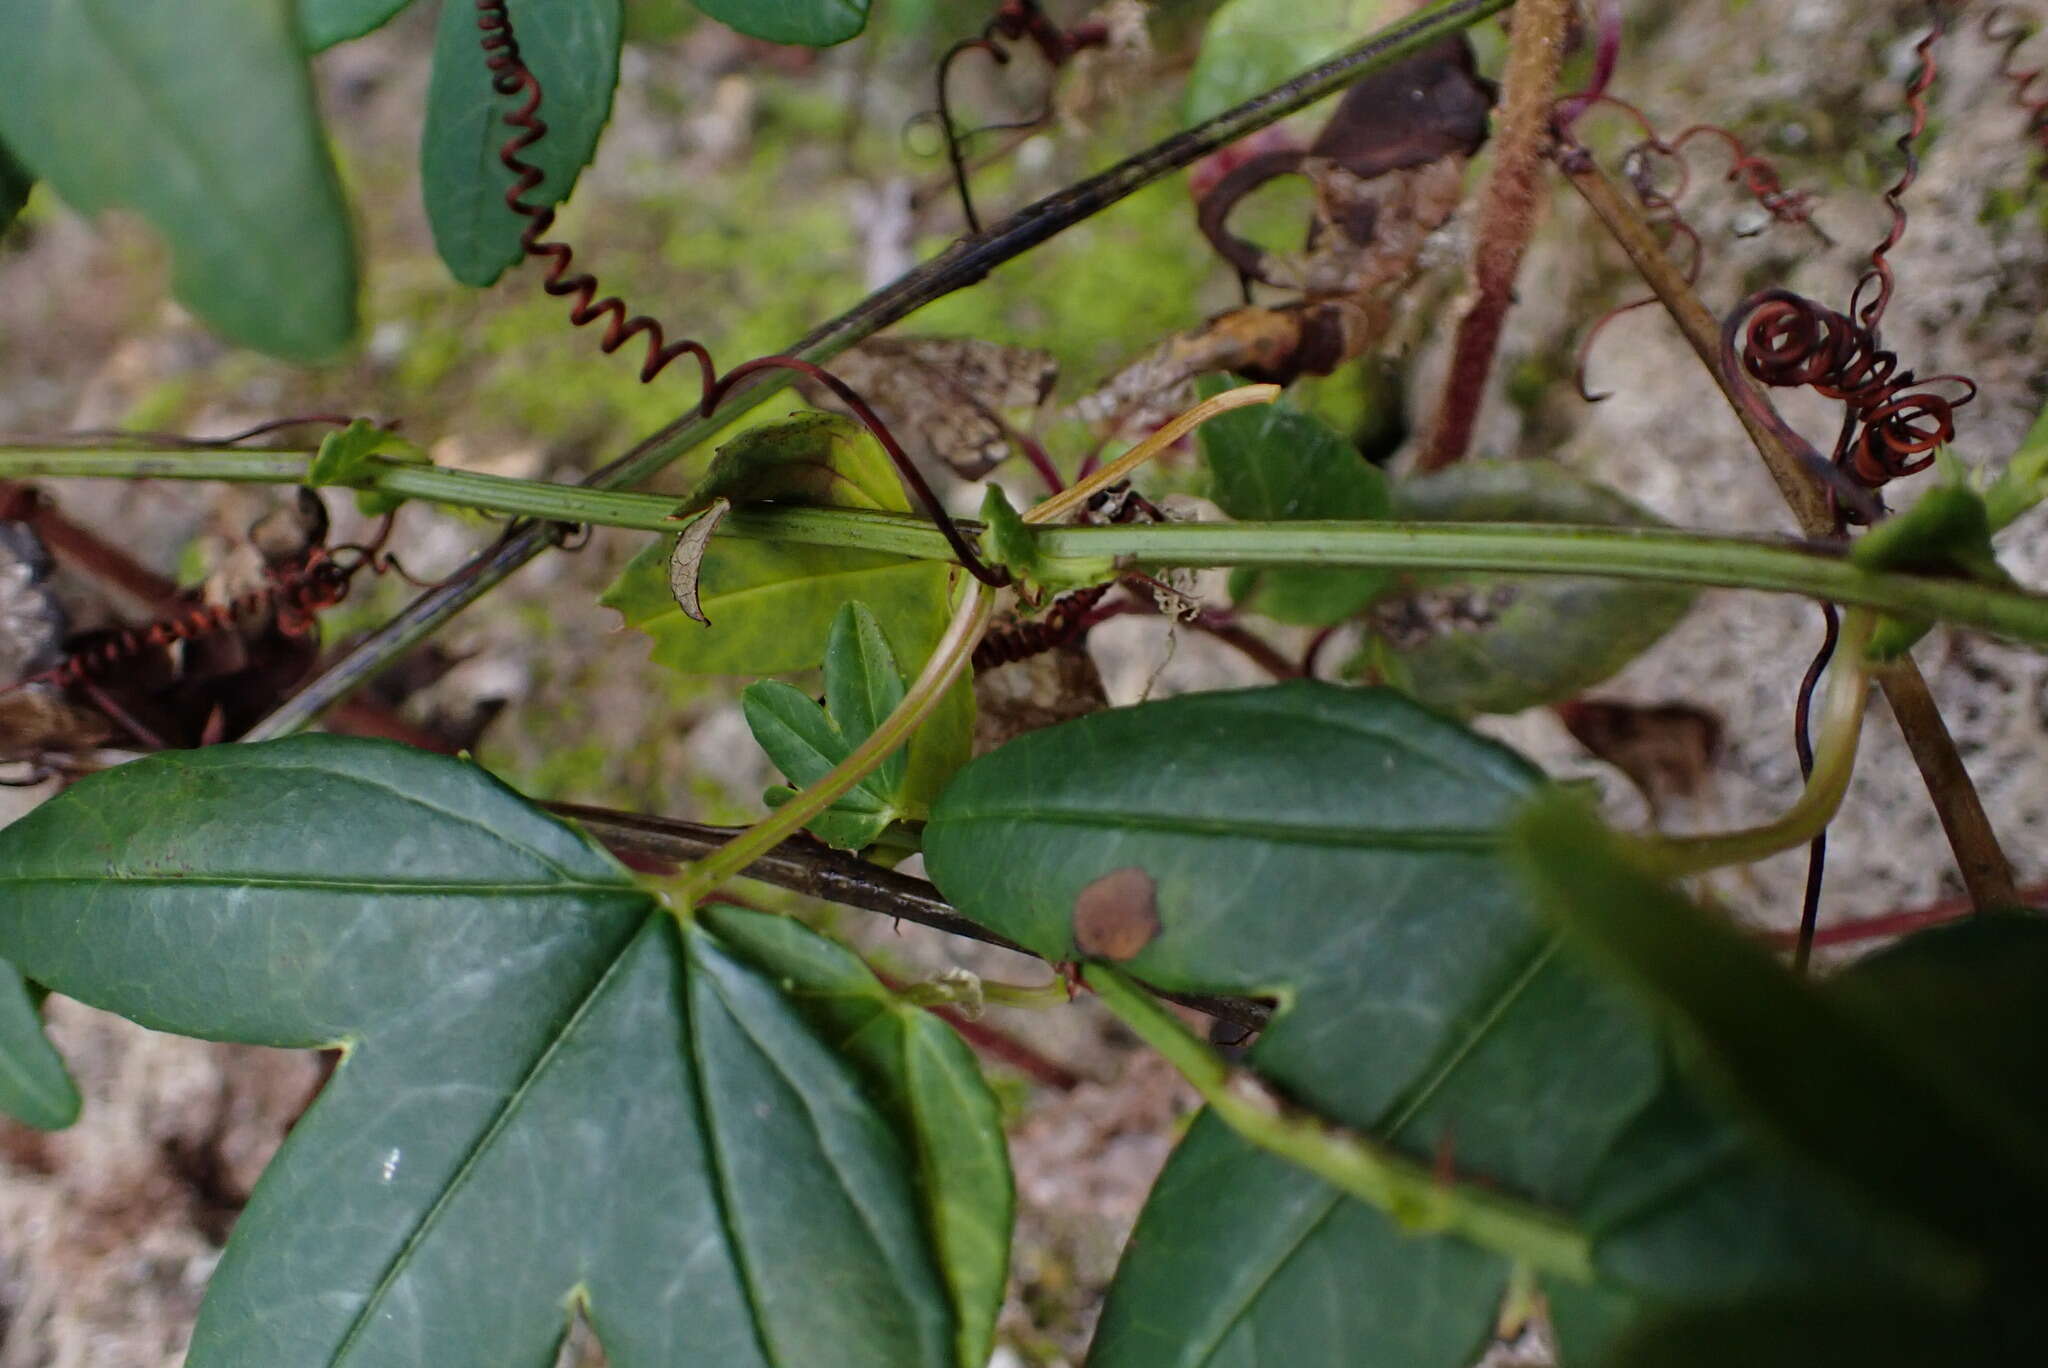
1507	216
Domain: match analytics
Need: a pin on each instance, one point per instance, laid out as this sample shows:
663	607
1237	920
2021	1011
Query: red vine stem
510	76
1880	272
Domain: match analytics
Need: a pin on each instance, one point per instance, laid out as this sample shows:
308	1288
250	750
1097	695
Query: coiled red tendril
1893	420
2005	25
510	76
1659	202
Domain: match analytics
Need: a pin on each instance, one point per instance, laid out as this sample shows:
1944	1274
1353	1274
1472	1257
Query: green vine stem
959	266
948	660
1660	554
1834	759
1415	1195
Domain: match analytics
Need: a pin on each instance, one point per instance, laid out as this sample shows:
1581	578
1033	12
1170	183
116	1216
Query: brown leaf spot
1116	916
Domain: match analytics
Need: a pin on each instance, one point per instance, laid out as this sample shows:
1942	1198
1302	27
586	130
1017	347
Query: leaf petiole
1411	1192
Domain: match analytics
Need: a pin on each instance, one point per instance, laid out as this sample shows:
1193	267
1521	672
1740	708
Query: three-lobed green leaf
553	1099
572	48
199	116
1344	853
1338	848
922	1073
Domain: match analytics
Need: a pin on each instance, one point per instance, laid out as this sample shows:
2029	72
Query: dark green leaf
1273	462
813	23
323	23
1863	1331
926	1078
1859	1100
1586	1322
1970	997
1687	1207
552	1099
572	47
15	183
1241	1260
200	117
1339	848
1490	643
34	1088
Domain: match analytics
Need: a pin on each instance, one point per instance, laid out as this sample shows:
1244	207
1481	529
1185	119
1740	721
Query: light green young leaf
1253	45
200	117
553	1097
805	746
926	1077
347	458
771	605
572	47
863	686
35	1089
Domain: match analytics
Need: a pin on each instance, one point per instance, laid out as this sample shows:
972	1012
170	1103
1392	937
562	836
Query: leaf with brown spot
1116	916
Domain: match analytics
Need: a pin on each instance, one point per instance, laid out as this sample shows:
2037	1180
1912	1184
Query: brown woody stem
1987	874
